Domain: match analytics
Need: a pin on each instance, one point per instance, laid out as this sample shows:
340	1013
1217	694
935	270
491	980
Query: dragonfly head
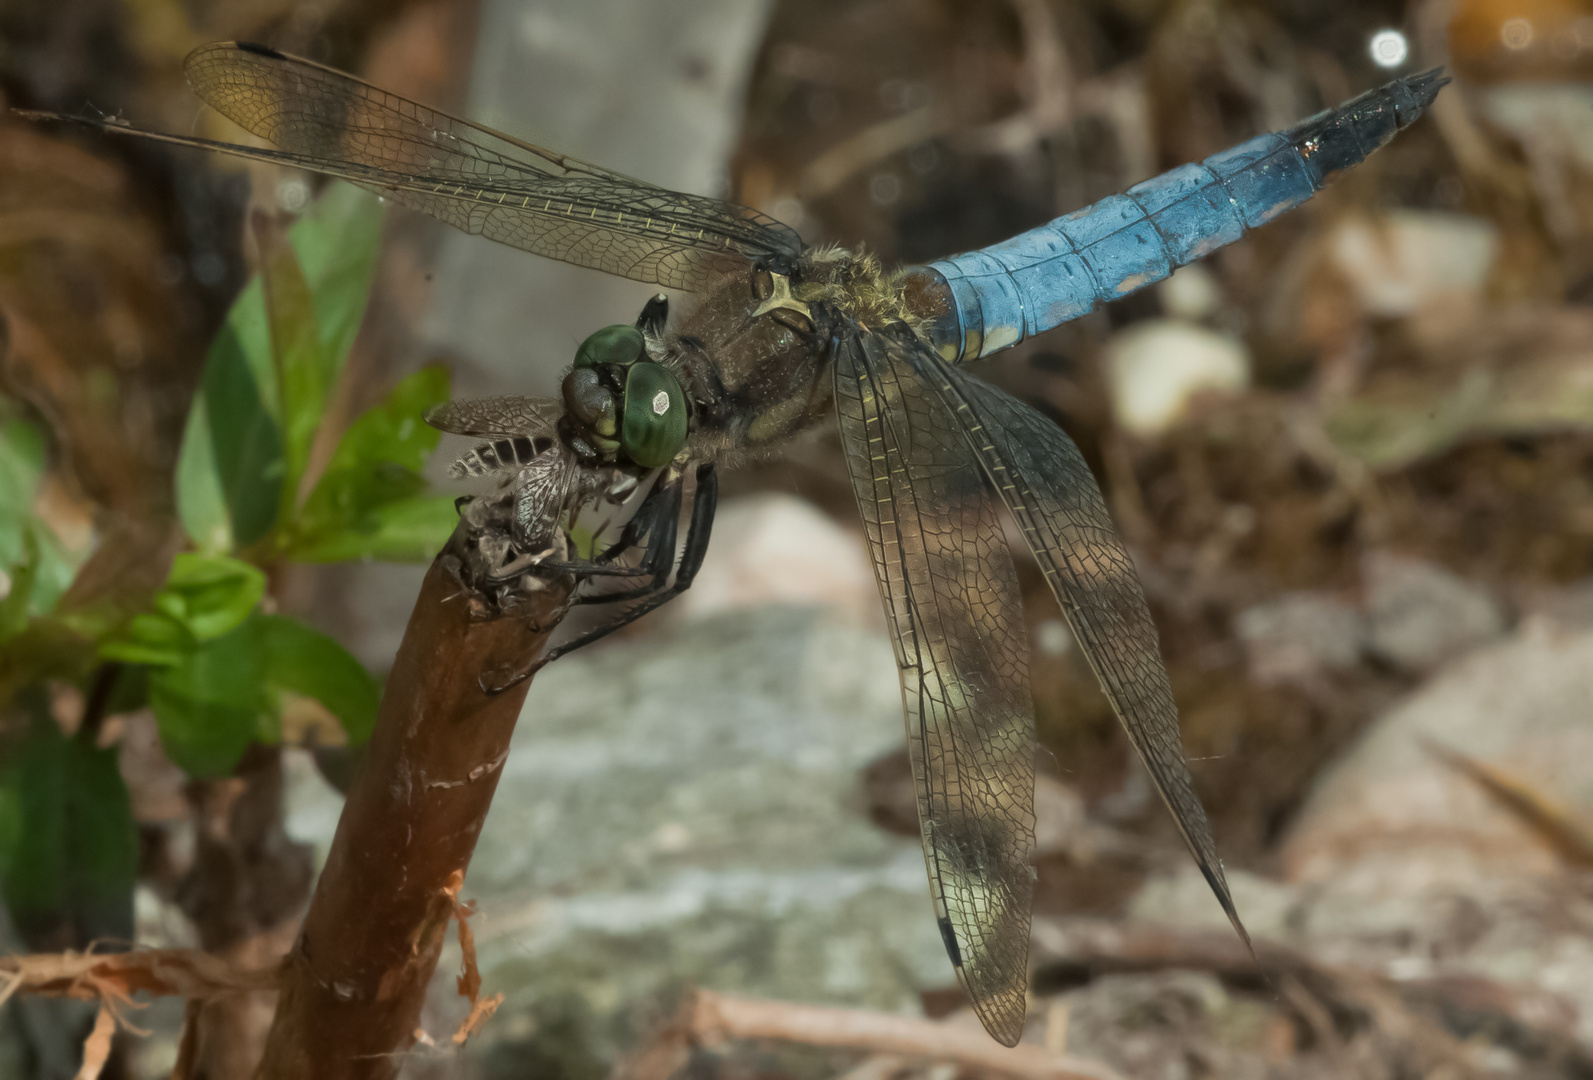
622	405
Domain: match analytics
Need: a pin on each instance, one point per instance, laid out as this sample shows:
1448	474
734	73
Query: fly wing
1049	489
497	417
542	490
952	601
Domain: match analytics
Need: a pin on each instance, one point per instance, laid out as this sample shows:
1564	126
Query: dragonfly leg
703	504
656	521
654	316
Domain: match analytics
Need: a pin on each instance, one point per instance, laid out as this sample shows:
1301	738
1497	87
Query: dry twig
706	1019
355	982
116	977
1563	829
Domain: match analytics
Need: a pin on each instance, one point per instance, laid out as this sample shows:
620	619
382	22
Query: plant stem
355	981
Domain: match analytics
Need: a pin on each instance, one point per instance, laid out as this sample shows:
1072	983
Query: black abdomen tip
1418	93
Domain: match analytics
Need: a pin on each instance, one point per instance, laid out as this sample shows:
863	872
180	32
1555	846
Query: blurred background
1352	454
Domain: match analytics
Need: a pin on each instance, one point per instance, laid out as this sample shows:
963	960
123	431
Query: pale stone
688	809
1406	259
1299	635
1155	368
1191	292
1419	614
779	549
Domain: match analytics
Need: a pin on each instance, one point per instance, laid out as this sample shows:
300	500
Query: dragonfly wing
955	612
497	417
310	108
479	180
1049	489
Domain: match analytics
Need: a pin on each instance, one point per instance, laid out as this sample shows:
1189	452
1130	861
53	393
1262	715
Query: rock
1400	864
1191	292
689	810
1419	614
1183	898
1296	637
1547	117
779	549
1158	1025
1409	258
1515	371
1405	865
1520	705
1156	367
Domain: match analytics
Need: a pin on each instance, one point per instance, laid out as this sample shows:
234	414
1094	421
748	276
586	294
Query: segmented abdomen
497	456
1046	276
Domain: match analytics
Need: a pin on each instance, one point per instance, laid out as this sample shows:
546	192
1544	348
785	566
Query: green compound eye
654	426
618	344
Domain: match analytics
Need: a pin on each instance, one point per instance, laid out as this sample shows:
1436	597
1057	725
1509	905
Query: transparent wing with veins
497	417
1047	486
473	178
525	444
955	613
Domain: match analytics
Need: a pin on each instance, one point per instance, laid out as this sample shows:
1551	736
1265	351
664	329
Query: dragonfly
782	337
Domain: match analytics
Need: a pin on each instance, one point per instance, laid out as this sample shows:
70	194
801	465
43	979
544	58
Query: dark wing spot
262	50
950	939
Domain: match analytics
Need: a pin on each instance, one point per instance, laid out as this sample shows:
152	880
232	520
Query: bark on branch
353	986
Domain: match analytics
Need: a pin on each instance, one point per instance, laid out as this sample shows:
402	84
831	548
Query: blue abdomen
1044	277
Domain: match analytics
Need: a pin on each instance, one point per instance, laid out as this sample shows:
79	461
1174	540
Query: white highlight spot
292	194
1389	48
661	403
1157	367
1053	638
1516	33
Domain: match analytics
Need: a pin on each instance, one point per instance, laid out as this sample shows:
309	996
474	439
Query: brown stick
708	1018
356	979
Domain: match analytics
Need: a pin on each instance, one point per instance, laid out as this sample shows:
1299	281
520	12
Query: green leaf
21	464
68	844
404	530
230	472
223	695
338	240
308	662
32	557
393	431
368	503
210	594
14	608
150	637
302	371
39	565
204	597
212	703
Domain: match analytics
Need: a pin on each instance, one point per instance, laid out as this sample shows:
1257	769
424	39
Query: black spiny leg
704	502
654	316
654	527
